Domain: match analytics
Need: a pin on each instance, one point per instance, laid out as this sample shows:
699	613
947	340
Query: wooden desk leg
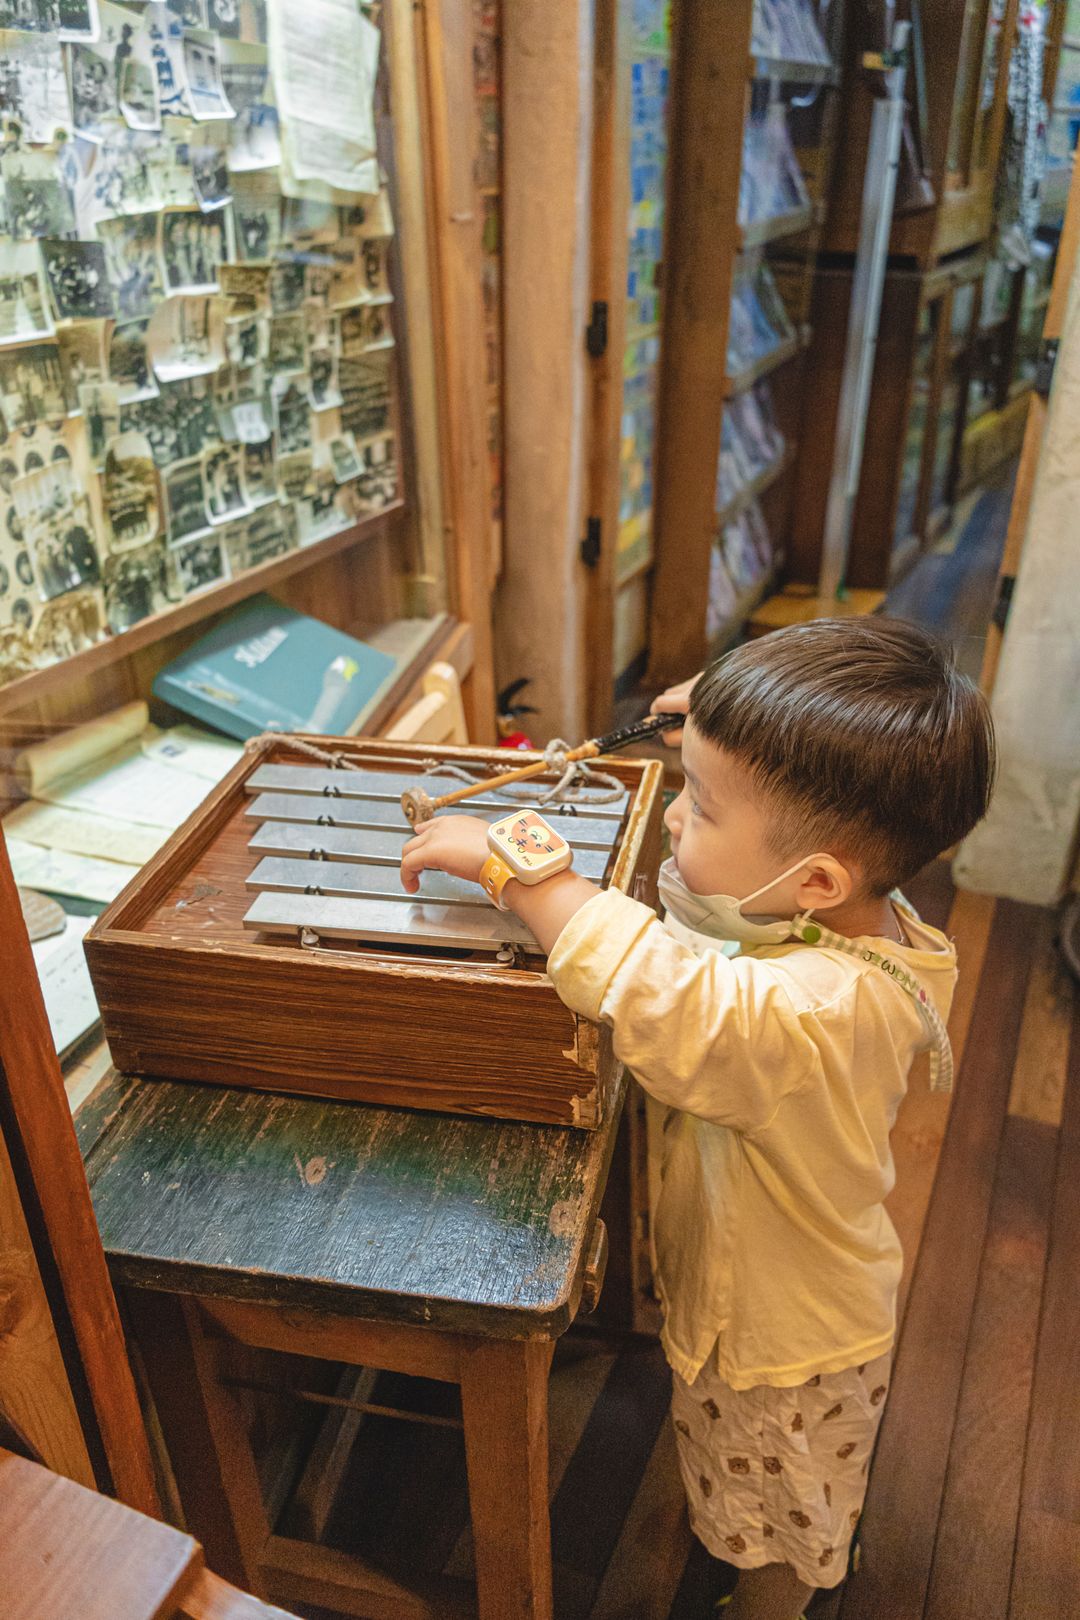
204	1435
504	1401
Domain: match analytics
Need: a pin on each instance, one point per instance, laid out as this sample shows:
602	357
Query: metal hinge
590	546
1004	601
1044	366
596	331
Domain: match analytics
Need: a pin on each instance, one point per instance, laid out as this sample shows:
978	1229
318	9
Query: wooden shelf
786	72
761	368
750	599
775	229
757	486
28	688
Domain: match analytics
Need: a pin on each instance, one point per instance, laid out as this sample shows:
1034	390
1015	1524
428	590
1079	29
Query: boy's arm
709	1036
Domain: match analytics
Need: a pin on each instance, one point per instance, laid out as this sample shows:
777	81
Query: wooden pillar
710	67
547	69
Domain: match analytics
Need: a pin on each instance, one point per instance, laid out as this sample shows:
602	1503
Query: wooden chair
66	1551
437	716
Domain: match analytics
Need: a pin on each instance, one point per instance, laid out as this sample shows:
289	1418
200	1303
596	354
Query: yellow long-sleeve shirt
783	1068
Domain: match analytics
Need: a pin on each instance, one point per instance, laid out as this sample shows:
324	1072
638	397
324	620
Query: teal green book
266	668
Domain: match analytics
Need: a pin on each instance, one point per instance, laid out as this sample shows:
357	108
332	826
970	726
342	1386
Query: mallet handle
586	750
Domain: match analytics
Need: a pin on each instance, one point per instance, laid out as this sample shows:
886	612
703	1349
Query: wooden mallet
420	806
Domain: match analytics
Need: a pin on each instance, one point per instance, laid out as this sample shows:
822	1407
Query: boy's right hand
676	700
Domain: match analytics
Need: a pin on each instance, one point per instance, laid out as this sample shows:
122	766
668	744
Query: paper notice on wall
324	56
316	162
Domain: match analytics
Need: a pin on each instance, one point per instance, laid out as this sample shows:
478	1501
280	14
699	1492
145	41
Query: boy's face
718	829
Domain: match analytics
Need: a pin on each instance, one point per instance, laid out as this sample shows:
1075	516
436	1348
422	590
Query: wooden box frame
185	993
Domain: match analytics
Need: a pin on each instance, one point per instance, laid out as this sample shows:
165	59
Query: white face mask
721	916
713	917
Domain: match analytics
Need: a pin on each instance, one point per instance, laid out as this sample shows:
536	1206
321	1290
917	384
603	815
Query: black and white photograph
210	175
165	36
287	285
179	423
269	532
185	338
134	587
376	276
59	529
82	359
74	19
95	98
323	390
100	406
292	417
38	202
288	345
140	94
223	482
33	86
197	564
254	134
192	13
205	92
247	287
256	213
78	279
68	624
185	501
193	244
260	480
223	16
31	385
365	395
132	264
129	363
247	340
364	329
295	475
377	483
129	491
318	512
24	305
344	458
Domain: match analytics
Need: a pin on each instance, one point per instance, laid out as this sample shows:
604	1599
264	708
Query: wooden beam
418	1352
406	98
457	225
547	133
36	1123
610	255
710	50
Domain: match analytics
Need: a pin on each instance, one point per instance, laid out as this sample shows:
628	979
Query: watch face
528	842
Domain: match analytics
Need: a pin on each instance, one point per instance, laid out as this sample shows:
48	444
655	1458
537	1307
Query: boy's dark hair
862	733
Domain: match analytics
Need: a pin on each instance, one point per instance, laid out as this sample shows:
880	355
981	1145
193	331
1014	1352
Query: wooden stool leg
205	1437
504	1400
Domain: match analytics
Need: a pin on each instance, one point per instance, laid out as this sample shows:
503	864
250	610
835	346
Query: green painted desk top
471	1225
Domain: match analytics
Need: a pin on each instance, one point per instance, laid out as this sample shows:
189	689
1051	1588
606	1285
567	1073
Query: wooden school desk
450	1248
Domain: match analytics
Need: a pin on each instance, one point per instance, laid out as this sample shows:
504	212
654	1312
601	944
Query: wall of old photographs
196	350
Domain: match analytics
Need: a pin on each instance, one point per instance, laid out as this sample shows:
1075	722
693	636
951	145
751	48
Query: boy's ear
827	882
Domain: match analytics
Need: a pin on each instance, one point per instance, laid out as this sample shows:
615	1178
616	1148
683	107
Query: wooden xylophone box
269	943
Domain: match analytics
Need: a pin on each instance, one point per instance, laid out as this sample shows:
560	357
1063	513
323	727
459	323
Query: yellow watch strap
495	874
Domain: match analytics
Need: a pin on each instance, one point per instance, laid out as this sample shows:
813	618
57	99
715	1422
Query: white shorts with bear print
778	1476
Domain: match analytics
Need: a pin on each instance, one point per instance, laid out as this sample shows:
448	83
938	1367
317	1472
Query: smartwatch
525	847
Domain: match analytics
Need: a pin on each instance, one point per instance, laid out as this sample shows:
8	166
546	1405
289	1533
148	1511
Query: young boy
825	764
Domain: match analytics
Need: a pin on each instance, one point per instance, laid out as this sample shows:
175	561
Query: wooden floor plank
600	1484
981	1501
1038	1083
900	1521
637	1587
1046	1573
920	1125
